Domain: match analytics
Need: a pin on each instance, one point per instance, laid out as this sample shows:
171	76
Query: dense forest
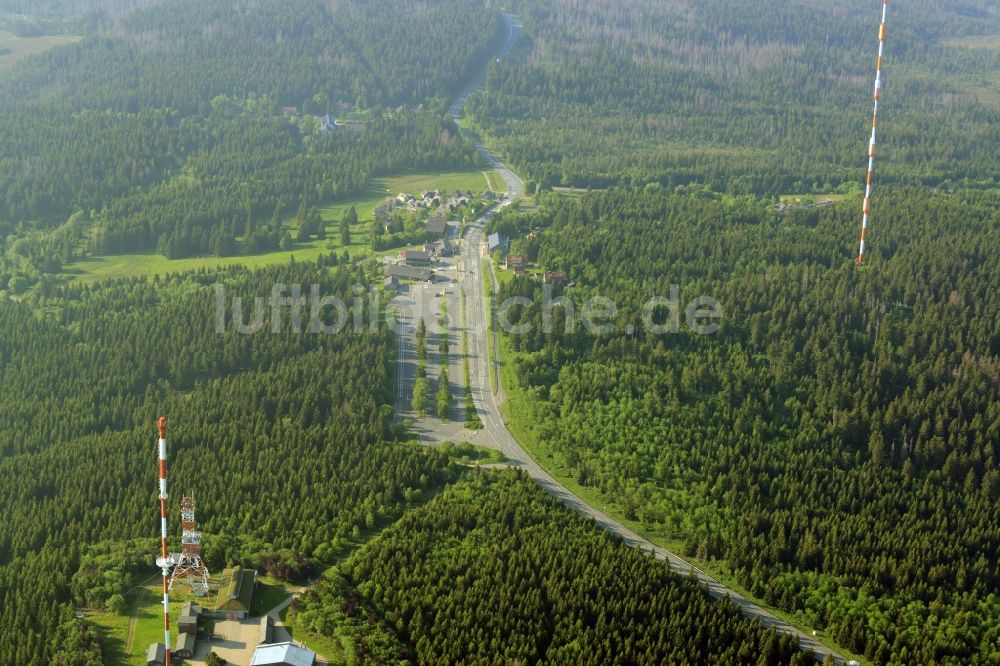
770	98
153	134
83	378
834	447
34	18
493	570
82	386
180	54
836	443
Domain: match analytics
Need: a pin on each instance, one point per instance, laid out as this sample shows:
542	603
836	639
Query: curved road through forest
515	186
495	432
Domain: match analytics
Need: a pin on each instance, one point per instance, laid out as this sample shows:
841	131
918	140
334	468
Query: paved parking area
236	643
238	638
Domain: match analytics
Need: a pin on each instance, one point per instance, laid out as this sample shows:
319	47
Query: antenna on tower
871	143
164	561
189	565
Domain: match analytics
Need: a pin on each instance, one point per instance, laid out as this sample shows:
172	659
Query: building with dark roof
404	272
184	646
188	621
418	257
266	630
436	226
443	248
156	655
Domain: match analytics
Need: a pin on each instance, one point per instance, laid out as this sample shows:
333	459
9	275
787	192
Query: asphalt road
467	271
515	186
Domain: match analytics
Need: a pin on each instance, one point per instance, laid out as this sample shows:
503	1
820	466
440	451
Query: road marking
505	441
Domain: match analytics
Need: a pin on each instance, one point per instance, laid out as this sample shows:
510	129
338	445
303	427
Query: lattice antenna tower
190	568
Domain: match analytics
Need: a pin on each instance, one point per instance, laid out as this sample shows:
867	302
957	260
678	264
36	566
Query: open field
806	199
145	604
93	269
989	42
149	621
474	181
14	48
133	265
986	89
98	268
114	635
494	182
984	86
985	95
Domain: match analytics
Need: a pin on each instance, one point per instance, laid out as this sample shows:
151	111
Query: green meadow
14	48
93	269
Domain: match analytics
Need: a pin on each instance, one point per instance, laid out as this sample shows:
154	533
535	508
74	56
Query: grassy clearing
568	193
985	94
132	265
988	42
446	181
269	593
504	275
495	182
807	199
93	269
13	49
148	611
149	624
114	635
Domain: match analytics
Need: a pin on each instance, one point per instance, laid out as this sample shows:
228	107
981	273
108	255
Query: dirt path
135	613
131	635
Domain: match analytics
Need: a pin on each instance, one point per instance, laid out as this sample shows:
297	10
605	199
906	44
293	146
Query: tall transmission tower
189	566
164	561
871	143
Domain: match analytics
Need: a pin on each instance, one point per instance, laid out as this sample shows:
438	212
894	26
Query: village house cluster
437	235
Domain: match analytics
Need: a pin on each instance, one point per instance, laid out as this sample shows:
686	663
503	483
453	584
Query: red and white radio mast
867	207
164	561
189	566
